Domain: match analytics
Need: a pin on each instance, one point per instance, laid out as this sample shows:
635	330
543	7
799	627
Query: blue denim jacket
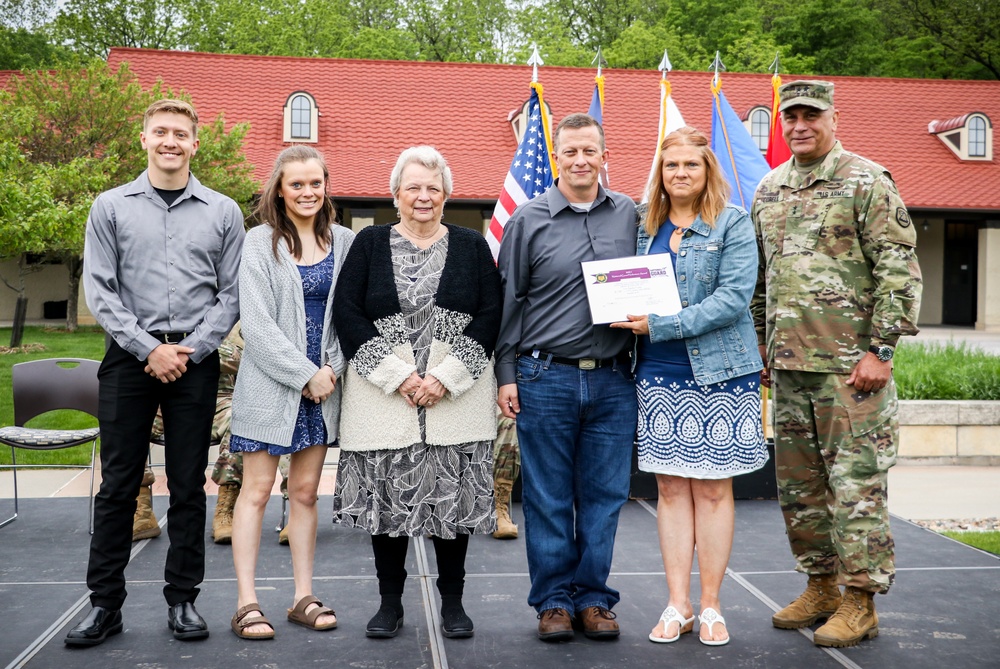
716	270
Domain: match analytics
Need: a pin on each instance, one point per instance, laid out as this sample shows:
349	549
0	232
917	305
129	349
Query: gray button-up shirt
545	299
148	267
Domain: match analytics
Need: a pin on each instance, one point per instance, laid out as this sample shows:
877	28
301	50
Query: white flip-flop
670	615
711	617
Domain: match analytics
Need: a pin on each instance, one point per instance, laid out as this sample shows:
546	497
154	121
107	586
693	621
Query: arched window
301	117
760	128
977	137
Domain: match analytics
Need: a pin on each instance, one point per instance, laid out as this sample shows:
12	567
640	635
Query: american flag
530	172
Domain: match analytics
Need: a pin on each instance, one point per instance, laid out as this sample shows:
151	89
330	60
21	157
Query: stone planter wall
949	432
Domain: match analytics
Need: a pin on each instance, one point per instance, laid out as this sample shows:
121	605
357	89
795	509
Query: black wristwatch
883	353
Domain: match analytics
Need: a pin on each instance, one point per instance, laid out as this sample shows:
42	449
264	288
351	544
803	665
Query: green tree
641	46
35	220
847	37
968	29
28	14
23	49
457	30
92	27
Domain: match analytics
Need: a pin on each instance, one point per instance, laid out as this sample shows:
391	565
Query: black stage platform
943	612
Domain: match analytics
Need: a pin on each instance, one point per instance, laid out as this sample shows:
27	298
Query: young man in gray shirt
161	260
569	384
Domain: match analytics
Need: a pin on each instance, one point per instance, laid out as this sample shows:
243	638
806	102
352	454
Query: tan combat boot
506	529
144	525
854	620
222	521
819	601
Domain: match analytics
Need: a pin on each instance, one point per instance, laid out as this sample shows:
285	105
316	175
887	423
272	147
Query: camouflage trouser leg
283	462
833	450
229	467
148	477
506	453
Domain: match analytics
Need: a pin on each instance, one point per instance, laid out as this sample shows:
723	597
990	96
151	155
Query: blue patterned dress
699	432
310	429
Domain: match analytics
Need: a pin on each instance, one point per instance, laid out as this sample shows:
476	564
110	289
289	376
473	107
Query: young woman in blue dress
287	399
697	377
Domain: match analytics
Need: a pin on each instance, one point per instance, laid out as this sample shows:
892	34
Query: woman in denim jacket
697	377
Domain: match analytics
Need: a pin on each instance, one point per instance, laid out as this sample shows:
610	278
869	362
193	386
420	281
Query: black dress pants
129	398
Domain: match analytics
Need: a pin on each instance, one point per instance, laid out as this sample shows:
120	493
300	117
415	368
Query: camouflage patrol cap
818	94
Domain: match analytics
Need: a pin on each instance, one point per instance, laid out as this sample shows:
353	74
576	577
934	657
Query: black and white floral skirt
438	490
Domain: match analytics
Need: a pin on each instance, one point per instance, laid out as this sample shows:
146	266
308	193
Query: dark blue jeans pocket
529	369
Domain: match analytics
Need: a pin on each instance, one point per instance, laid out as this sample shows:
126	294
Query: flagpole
535	61
777	149
664	122
716	87
599	79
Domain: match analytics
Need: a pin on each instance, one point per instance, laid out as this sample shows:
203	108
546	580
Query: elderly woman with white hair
417	310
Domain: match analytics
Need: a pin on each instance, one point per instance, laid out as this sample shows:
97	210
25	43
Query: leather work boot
819	601
598	623
222	521
854	620
506	529
555	625
144	525
283	536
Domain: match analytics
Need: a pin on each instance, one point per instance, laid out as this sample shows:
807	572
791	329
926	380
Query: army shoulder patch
902	217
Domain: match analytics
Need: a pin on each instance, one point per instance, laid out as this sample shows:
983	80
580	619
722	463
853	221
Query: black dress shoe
385	623
99	624
185	622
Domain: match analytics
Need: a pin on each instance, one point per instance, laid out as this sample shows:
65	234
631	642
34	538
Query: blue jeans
576	429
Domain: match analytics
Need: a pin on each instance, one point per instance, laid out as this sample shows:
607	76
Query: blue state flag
596	112
741	160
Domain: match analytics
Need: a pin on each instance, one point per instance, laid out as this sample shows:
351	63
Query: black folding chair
46	385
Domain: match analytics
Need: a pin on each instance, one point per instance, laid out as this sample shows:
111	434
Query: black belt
582	363
170	337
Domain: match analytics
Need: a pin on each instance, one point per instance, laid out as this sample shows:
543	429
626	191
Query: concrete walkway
942	334
916	492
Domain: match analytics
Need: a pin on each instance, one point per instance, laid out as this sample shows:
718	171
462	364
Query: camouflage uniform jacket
838	266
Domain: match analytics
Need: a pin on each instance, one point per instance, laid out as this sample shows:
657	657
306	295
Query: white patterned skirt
698	432
438	490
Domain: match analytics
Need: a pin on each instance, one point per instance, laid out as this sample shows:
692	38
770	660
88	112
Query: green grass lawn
86	342
946	372
987	541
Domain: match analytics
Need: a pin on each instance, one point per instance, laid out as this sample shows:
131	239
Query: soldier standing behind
838	285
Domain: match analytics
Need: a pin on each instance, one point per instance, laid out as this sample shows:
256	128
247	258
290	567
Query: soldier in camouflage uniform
228	470
839	284
506	467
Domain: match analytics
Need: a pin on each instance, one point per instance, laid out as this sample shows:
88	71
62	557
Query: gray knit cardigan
274	368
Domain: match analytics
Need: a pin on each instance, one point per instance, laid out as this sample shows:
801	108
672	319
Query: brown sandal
241	622
299	616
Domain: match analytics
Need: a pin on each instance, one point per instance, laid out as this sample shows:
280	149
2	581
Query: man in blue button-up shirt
161	260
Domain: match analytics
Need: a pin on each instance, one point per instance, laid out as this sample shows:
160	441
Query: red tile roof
371	110
937	127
